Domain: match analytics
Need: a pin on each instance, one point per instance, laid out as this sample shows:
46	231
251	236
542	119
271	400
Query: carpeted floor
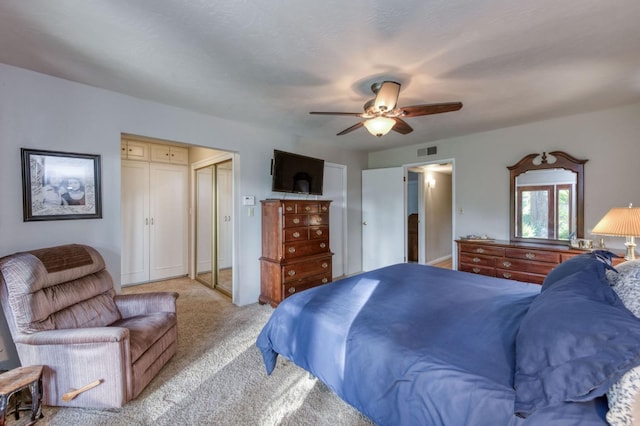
217	377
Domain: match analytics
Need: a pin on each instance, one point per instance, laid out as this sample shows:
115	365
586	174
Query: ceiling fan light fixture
379	126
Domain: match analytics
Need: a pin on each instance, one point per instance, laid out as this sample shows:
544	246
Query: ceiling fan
381	114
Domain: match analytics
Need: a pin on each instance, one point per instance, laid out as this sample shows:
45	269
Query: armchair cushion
145	330
46	296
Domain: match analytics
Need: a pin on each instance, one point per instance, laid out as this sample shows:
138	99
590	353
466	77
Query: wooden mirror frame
563	161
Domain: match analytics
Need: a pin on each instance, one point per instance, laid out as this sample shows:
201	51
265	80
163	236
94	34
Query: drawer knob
291	273
530	255
476	260
476	270
319	232
322	245
296	220
506	275
479	250
307	208
296	234
292	249
506	263
289	208
325	280
324	208
325	265
292	290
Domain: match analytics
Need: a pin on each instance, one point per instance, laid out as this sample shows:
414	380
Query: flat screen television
296	173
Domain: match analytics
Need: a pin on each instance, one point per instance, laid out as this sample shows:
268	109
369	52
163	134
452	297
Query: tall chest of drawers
295	248
516	261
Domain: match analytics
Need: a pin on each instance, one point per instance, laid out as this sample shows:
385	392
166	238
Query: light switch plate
248	200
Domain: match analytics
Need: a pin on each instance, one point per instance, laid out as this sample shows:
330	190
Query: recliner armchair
63	313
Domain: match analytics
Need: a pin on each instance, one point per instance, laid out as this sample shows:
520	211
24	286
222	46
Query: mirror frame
563	161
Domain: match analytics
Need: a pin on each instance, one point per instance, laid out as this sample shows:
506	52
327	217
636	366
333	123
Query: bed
412	344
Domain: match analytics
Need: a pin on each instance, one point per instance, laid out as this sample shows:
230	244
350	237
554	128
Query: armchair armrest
131	305
72	336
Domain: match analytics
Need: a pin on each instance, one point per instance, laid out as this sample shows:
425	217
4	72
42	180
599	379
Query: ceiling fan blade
351	129
357	114
417	110
387	96
401	126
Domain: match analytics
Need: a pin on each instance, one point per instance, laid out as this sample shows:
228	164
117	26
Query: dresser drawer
318	219
477	259
296	286
475	269
482	249
289	207
305	248
296	234
522	265
316	232
307	207
308	268
295	220
539	256
520	276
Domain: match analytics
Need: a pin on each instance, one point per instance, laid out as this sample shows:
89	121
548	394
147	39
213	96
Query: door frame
422	213
210	161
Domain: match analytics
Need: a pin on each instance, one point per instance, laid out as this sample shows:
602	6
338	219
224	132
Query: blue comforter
416	345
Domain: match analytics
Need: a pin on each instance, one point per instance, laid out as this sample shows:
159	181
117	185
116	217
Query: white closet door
135	222
169	203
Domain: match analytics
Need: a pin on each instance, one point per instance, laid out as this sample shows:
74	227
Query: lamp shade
379	126
620	222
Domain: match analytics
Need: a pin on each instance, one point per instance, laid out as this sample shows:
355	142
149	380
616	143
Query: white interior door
334	189
383	217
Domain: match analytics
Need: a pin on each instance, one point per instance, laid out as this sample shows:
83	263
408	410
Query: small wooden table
16	380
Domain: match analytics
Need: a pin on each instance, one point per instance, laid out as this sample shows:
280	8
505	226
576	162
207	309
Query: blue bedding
416	345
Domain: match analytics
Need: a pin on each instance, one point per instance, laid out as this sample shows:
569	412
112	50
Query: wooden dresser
516	261
295	248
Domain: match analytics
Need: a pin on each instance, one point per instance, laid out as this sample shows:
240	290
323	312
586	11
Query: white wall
43	112
609	139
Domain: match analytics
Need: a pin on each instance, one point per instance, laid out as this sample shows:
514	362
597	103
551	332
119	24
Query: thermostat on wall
248	200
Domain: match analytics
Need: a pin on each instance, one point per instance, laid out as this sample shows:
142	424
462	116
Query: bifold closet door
155	207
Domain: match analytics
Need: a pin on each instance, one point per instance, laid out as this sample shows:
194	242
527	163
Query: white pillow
626	284
624	396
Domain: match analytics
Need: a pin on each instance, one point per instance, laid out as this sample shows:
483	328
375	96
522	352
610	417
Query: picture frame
60	185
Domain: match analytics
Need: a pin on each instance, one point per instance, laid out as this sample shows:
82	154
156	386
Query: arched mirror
547	198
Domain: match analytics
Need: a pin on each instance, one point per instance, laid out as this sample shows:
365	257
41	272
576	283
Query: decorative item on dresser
295	248
513	260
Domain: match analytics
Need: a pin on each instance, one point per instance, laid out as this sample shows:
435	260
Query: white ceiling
271	62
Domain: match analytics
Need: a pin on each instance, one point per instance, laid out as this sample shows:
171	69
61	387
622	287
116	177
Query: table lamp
621	222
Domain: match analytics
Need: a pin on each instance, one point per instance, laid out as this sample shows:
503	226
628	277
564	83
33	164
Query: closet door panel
135	222
225	213
169	220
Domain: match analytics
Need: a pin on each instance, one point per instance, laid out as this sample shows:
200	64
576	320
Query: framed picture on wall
60	185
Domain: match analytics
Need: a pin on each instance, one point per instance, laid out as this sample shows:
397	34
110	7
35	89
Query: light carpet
217	376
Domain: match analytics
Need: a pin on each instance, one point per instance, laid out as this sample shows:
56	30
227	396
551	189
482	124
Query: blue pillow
597	261
575	341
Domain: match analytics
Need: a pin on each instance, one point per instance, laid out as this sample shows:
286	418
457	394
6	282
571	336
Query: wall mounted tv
296	173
